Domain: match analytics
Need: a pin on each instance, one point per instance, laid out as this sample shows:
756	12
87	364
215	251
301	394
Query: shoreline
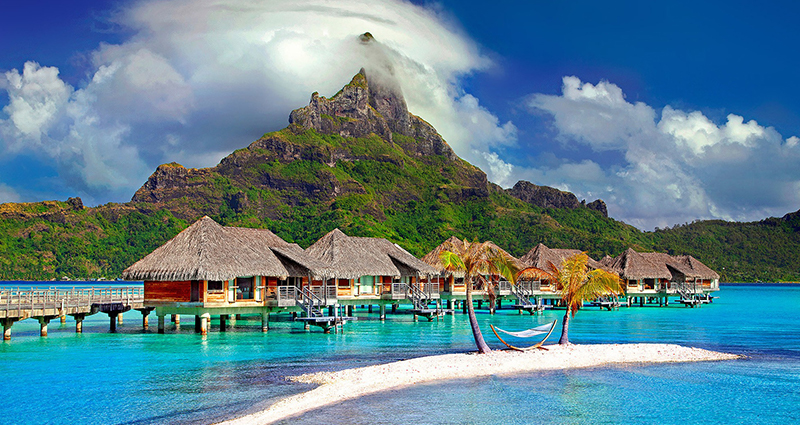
335	387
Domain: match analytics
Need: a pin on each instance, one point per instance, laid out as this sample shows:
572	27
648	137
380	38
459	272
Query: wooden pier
45	305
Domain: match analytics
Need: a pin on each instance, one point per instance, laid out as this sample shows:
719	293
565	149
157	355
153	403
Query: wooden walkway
45	305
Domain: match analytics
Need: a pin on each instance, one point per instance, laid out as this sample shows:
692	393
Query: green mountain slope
361	162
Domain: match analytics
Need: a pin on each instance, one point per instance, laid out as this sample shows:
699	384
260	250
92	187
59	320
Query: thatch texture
696	269
434	259
541	257
634	266
207	251
408	264
351	257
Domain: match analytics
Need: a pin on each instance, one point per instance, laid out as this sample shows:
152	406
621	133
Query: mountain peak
371	103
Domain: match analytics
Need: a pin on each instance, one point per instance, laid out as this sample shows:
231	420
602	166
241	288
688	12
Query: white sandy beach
335	387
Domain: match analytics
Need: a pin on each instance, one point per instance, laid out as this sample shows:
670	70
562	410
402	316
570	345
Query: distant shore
335	387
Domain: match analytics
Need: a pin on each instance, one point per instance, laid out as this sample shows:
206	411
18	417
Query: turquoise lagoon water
141	377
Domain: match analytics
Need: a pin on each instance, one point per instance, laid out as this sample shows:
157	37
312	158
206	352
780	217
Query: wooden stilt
394	308
161	324
265	322
204	321
369	309
119	318
112	318
223	322
145	319
79	323
7	329
63	319
43	322
197	324
383	312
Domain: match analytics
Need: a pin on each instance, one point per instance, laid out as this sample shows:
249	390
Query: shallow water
181	377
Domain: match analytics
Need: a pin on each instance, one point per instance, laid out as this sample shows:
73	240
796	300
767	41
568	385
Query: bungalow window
214	286
344	283
245	288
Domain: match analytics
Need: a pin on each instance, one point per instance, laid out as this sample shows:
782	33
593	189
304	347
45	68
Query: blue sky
669	112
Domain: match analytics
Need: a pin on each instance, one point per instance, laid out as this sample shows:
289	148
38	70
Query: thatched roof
541	257
633	265
207	251
697	268
433	258
351	257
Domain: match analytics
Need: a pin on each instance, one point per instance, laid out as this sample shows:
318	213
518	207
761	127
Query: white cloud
676	167
197	79
8	194
36	98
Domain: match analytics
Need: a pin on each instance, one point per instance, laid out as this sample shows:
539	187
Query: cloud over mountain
197	79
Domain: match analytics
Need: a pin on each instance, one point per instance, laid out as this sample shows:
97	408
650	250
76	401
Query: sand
335	387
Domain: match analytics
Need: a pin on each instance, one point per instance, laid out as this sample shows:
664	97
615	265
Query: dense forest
365	165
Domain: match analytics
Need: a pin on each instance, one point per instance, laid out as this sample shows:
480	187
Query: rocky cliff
549	197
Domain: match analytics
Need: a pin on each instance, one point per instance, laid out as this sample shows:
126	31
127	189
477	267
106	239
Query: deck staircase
421	299
309	302
688	294
523	293
313	306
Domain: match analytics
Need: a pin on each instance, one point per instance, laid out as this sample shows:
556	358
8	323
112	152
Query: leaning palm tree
474	259
578	284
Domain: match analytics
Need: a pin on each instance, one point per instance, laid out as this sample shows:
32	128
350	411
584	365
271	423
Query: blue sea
138	377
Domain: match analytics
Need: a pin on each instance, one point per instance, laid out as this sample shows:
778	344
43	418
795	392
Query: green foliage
382	189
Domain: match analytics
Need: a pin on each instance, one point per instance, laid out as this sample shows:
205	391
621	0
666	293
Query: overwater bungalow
542	257
659	275
374	271
493	287
208	269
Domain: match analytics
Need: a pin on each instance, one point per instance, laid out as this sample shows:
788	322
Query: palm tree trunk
564	340
483	348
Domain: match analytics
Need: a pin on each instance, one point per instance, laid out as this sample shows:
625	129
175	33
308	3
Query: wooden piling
119	318
265	322
205	318
79	323
383	312
223	322
112	318
7	329
161	324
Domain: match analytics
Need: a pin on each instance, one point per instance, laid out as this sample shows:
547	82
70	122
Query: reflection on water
180	377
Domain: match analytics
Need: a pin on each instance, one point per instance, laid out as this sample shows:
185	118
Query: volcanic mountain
359	161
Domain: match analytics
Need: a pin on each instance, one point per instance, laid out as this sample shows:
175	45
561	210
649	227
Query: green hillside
361	162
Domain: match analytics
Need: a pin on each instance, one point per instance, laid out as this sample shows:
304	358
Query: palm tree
578	284
474	259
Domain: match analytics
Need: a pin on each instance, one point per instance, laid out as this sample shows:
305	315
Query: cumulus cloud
677	166
197	79
8	194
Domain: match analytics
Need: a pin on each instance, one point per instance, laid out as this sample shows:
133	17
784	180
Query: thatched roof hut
631	265
434	259
208	251
541	257
350	257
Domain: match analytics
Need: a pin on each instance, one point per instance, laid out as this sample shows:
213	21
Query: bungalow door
195	292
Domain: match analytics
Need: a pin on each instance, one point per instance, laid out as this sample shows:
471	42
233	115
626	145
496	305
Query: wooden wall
167	291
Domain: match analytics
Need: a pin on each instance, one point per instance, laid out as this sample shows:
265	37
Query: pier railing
19	301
